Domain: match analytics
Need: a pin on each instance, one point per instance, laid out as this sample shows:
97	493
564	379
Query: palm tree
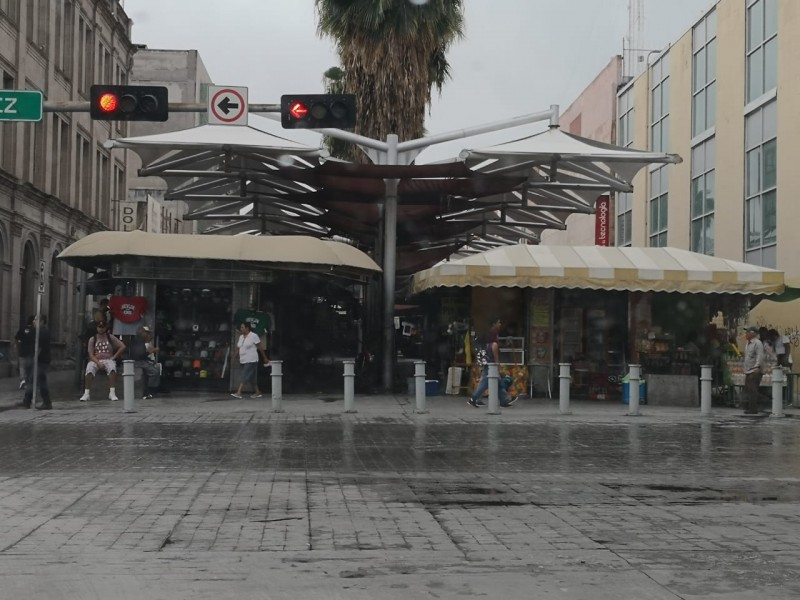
392	53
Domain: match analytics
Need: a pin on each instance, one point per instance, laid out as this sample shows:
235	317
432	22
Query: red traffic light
108	102
318	111
298	110
128	103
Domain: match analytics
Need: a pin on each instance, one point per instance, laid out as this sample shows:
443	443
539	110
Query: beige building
724	97
57	181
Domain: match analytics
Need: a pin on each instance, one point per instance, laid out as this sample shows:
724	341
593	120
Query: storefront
301	295
602	309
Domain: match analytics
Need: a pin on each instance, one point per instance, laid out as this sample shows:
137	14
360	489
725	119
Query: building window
83	192
658	208
103	186
704	74
702	201
659	105
10	9
760	180
762	47
85	56
624	218
624	201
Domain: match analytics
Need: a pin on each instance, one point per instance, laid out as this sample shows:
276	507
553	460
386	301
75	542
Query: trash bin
626	390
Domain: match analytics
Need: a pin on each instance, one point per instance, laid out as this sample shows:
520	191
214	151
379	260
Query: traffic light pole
68	106
393	152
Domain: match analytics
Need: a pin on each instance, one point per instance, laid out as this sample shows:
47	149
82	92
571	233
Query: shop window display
193	324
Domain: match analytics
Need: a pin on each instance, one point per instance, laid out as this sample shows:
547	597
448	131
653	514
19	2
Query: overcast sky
517	56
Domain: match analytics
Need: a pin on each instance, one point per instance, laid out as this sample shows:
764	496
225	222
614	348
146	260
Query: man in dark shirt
42	364
25	349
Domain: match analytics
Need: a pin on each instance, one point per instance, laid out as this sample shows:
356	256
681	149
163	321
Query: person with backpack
104	349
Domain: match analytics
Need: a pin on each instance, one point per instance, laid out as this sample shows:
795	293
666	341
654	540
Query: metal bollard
565	380
633	387
277	386
349	385
128	394
705	390
777	392
419	386
494	389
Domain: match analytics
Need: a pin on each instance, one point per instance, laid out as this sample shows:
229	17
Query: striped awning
601	268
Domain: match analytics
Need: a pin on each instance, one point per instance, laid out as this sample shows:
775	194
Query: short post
277	385
633	389
349	385
777	392
705	390
128	395
565	380
419	386
494	389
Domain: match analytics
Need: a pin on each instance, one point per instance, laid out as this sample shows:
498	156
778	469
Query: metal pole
565	379
389	265
128	394
777	392
705	390
349	385
494	391
419	386
277	385
633	387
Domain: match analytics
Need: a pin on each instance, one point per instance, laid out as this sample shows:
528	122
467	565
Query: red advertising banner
602	221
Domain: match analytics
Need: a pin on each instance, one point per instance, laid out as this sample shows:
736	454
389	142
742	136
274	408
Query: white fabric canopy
563	153
601	268
207	137
290	251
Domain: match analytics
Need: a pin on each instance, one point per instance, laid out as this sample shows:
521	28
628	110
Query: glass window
702	197
761	159
659	103
762	48
704	66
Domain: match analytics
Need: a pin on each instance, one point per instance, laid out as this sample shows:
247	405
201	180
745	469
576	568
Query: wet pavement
205	496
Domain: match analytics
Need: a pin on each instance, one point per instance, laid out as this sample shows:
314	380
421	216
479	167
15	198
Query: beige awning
286	251
601	268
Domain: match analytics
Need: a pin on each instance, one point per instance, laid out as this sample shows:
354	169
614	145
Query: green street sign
20	105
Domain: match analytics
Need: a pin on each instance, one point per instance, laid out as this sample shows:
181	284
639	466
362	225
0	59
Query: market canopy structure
300	253
601	268
256	182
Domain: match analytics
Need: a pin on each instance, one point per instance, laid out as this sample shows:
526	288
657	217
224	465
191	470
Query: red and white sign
227	105
602	221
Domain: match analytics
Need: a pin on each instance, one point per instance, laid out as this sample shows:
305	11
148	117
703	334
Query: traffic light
129	103
317	111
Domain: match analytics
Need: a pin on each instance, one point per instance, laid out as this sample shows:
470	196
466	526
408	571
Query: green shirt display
260	322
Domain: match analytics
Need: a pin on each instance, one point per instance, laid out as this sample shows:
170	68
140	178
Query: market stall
603	308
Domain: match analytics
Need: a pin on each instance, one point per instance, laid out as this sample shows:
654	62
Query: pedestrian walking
42	365
490	353
24	339
248	347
